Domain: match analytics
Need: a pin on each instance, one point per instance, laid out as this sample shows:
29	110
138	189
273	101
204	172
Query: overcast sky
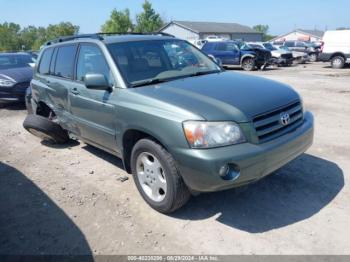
281	15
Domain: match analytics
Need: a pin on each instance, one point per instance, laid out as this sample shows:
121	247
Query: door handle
75	91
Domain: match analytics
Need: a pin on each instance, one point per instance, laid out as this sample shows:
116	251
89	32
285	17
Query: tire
313	57
175	192
45	129
338	62
248	64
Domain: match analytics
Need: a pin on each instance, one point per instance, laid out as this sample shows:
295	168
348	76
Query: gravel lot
70	199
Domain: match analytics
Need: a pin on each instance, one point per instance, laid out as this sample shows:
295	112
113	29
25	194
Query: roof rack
133	33
99	36
73	37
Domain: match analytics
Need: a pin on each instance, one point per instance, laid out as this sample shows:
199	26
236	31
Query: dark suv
178	121
234	53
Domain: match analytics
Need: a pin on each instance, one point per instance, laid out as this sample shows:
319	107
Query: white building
192	31
301	35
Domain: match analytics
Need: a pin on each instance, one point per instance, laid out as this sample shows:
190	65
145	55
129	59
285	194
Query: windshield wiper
200	73
150	82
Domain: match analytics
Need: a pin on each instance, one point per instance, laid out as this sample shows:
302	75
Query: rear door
93	114
61	79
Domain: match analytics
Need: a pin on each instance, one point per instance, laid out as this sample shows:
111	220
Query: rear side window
65	61
44	66
221	47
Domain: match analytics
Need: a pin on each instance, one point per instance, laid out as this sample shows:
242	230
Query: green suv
179	122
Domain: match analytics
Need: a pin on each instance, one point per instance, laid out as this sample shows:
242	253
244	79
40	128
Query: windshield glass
269	46
244	46
284	48
144	61
8	61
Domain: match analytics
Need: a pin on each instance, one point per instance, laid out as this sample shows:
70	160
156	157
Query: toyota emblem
284	118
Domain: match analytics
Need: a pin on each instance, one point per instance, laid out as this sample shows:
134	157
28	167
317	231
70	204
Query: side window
44	66
221	47
289	44
92	61
300	44
65	61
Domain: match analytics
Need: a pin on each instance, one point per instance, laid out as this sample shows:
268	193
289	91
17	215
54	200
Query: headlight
201	134
7	83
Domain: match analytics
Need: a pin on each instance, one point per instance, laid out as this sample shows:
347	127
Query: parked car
230	54
263	56
298	57
336	48
300	46
15	76
178	129
281	56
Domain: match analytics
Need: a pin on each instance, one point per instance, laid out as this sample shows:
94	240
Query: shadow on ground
71	143
13	106
31	223
105	156
293	193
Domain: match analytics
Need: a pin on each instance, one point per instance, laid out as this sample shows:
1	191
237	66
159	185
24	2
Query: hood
222	96
20	75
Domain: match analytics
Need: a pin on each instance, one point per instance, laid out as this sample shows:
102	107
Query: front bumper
12	94
200	168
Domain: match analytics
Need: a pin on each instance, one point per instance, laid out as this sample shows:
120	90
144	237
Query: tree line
15	38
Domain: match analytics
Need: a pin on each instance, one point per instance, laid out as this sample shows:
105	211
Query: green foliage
9	36
119	22
13	38
264	29
148	21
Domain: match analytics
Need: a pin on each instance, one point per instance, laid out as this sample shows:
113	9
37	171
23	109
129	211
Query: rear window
65	61
44	67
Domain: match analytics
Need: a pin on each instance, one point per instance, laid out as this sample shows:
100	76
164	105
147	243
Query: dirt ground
71	199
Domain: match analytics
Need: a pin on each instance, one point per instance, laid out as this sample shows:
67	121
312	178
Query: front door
93	114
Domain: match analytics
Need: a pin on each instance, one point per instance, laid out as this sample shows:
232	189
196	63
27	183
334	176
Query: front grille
268	126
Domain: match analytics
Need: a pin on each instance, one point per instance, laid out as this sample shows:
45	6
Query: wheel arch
130	138
338	54
247	56
42	109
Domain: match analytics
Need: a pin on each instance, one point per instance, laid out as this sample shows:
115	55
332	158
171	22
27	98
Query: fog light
229	172
223	170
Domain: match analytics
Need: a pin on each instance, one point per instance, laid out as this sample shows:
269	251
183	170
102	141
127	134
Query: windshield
244	46
269	46
146	61
283	47
8	61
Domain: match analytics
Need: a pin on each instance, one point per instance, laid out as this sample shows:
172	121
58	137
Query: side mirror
96	81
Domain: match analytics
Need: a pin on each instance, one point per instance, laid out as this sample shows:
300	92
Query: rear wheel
338	62
45	129
157	178
248	64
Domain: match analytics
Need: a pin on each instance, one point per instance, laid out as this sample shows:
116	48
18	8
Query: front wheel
248	64
157	178
338	62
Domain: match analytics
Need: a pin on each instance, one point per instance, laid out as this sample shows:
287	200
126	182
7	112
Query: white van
336	48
